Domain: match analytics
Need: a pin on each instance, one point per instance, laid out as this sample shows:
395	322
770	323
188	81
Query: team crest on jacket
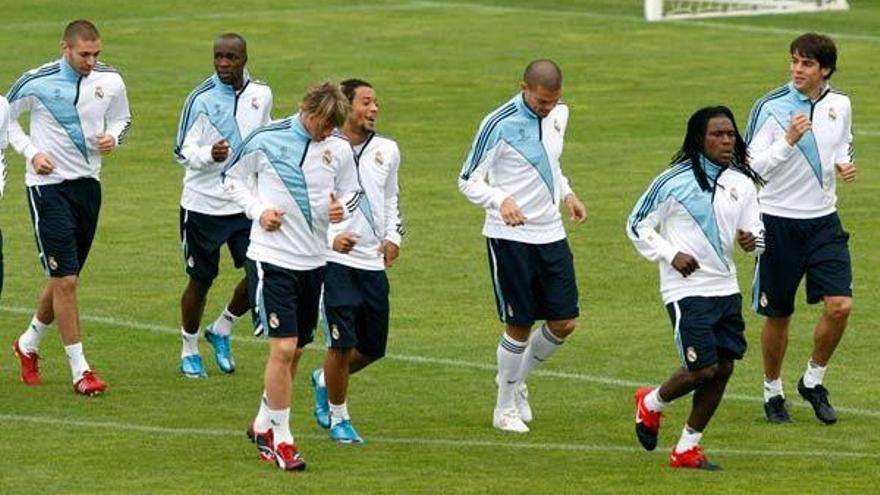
832	114
327	157
254	103
99	92
380	160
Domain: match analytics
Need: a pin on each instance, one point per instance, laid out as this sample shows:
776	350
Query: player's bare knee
704	375
562	328
65	285
725	369
838	308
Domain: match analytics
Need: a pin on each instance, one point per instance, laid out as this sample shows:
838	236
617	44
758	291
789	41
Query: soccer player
688	221
355	285
800	137
78	112
303	177
217	115
513	172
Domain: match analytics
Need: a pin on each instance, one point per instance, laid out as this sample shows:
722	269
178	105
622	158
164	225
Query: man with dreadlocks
688	221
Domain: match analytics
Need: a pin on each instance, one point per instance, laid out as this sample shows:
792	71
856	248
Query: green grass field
426	409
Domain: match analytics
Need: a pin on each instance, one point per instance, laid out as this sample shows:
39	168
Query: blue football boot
344	432
222	352
322	407
192	367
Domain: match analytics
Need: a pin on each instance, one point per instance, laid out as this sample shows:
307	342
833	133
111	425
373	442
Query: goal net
661	10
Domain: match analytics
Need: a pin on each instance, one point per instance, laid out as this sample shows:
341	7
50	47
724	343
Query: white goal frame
663	10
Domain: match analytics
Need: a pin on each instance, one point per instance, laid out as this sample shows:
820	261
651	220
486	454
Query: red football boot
692	458
647	421
30	365
89	384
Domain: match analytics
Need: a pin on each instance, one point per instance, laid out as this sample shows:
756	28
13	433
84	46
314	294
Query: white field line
452	363
426	4
421	441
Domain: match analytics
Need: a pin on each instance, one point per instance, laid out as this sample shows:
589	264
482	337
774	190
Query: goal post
662	10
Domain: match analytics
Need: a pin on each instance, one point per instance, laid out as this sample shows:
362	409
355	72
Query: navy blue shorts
533	281
65	217
708	330
202	236
356	309
816	247
284	303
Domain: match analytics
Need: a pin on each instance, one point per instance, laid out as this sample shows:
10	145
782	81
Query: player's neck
356	135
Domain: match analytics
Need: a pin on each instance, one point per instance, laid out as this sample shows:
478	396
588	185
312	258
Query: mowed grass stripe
453	363
456	6
421	441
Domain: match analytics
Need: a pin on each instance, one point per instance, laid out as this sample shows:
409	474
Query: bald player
513	172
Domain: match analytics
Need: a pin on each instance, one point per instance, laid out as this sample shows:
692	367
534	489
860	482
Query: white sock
279	419
690	438
509	354
542	344
30	339
338	413
321	381
190	344
814	374
223	324
772	388
78	364
653	401
261	422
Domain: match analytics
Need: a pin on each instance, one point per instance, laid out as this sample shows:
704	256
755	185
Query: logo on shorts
510	310
334	332
52	263
380	160
733	195
691	354
832	114
273	320
99	92
763	300
190	262
254	103
327	157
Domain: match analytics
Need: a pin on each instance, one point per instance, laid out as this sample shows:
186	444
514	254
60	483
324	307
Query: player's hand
510	212
43	164
746	240
345	242
390	252
847	171
685	264
799	126
220	150
105	143
336	210
576	209
270	219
